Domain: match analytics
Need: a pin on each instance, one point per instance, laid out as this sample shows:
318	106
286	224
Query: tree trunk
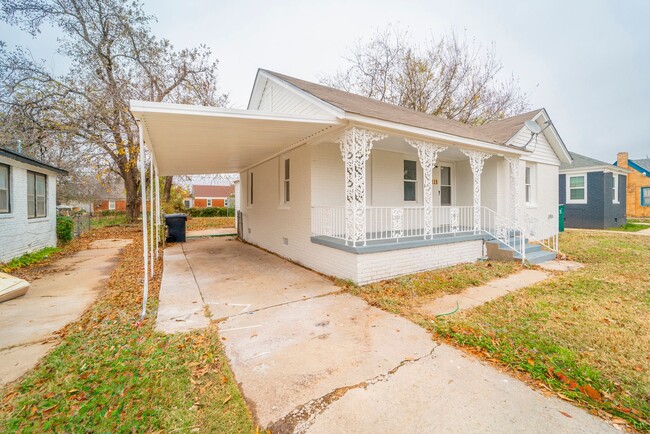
133	200
167	191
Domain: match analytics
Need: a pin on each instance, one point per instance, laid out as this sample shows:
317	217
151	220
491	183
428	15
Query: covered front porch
382	191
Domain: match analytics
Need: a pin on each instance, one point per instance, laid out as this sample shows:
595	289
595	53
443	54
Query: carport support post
476	160
145	247
155	168
151	214
428	155
356	144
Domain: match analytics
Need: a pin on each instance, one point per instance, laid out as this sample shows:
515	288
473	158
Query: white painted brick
18	234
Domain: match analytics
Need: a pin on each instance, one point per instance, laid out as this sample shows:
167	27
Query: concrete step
537	257
529	247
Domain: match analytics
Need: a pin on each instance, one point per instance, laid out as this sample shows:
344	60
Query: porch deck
374	245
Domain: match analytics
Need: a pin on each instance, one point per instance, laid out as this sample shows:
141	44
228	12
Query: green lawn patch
631	227
28	259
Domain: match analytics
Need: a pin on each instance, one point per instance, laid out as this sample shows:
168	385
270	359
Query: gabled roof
588	163
212	190
497	132
31	161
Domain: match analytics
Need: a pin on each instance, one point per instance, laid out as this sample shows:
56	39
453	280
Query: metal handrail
551	242
504	230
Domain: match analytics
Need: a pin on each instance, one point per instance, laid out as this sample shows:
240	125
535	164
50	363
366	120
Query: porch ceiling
192	140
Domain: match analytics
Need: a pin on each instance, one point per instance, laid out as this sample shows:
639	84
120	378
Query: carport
179	139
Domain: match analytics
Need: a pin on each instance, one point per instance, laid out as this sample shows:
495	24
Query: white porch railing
542	232
395	224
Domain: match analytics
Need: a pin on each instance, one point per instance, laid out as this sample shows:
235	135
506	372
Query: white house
27	204
364	190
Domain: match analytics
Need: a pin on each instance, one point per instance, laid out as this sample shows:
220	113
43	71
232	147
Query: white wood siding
542	150
278	99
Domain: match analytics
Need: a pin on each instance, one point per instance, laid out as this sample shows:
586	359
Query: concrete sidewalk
477	295
68	287
311	359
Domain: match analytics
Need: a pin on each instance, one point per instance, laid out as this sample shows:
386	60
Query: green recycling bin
560	217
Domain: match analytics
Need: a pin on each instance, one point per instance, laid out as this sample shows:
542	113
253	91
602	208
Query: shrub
64	227
111	212
209	212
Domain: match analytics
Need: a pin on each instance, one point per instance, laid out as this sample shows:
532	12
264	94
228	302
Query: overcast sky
587	62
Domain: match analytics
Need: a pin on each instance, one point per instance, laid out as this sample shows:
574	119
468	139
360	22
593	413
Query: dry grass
403	295
112	373
200	223
591	325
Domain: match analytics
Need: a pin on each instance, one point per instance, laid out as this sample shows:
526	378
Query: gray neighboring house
593	193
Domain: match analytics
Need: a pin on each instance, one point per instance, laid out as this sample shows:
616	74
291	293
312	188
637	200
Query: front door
442	185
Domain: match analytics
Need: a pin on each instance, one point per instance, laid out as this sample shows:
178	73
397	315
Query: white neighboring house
364	190
27	204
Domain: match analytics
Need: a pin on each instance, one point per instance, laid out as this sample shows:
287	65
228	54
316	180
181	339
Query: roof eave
408	130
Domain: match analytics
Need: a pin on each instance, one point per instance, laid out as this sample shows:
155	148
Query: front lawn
112	373
583	335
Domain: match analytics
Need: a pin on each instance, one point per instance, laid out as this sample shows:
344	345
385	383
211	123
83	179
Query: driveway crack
298	420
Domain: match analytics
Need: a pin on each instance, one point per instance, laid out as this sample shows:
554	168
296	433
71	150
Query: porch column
476	160
356	144
427	154
513	162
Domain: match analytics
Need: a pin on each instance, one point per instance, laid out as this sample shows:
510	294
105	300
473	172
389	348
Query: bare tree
114	58
449	77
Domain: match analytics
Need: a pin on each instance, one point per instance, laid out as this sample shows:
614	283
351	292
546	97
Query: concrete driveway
311	359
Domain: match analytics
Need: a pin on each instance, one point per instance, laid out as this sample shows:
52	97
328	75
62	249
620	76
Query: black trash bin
175	227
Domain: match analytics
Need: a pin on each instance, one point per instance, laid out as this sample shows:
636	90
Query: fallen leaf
225	401
531	362
619	421
591	392
565	414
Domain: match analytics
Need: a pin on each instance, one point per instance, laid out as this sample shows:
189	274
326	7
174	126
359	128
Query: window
410	178
187	203
615	188
5	202
208	203
287	180
576	189
251	188
36	195
530	187
645	196
111	205
445	185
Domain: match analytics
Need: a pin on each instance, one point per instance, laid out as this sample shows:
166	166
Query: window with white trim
187	203
111	205
250	197
410	179
615	188
208	203
645	196
530	184
576	189
287	181
5	190
36	195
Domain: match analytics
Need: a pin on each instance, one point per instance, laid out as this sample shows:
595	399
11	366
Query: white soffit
194	140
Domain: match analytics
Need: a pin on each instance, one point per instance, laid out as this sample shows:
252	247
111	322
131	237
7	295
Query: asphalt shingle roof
498	132
582	161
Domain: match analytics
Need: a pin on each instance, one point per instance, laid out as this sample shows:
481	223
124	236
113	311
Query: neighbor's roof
31	161
212	190
498	132
643	163
584	162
